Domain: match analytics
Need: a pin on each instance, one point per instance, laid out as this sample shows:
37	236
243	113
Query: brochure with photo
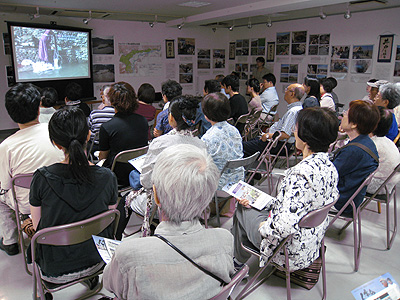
381	288
241	190
106	247
138	162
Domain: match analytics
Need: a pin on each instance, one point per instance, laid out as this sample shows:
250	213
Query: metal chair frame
70	234
22	181
310	220
250	127
265	121
228	289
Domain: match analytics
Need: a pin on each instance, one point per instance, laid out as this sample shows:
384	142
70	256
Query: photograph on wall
339	65
363	51
185	73
232	50
186	46
219	58
317	70
299	39
140	59
361	66
257	47
204	59
242	70
270	51
242	47
397	63
318	44
7	43
103	73
103	45
10	76
282	43
398	52
289	73
298	49
385	48
340	52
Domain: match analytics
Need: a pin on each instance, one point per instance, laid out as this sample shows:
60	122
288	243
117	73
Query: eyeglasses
287	90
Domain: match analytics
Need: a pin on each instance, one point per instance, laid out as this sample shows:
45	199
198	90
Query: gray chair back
125	156
227	290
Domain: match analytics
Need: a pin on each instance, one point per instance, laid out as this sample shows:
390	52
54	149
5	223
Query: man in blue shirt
269	96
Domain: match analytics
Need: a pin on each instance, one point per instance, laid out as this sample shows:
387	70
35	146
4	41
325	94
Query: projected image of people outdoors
50	54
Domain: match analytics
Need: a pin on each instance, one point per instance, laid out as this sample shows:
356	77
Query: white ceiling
219	13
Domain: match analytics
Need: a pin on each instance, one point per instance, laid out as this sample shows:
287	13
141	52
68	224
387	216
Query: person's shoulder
222	235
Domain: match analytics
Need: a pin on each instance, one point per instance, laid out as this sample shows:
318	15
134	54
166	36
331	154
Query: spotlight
231	28
214	29
180	26
347	14
151	24
249	26
87	20
322	15
269	23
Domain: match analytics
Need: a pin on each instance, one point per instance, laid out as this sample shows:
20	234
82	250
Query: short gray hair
390	92
186	179
299	92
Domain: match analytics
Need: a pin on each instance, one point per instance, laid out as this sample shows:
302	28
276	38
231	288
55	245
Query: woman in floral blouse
307	186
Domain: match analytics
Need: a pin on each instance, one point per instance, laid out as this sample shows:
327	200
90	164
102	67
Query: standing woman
312	88
70	191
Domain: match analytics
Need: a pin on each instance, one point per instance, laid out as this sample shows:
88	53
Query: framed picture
385	48
270	51
232	50
170	48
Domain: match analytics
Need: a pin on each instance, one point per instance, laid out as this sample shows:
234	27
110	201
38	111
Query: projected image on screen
49	54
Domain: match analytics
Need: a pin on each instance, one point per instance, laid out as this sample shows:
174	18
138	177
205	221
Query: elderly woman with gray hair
184	181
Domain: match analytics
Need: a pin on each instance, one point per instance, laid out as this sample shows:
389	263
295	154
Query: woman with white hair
185	179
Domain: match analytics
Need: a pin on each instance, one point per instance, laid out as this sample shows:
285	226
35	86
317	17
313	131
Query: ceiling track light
322	15
182	24
249	26
86	21
37	15
231	28
151	24
269	22
347	14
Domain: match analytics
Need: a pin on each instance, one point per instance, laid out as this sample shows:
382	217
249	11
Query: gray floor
15	284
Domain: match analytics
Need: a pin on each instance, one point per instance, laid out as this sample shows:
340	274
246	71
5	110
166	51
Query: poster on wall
257	47
289	73
186	46
140	60
185	72
385	48
232	50
397	63
103	45
270	51
319	44
203	59
7	43
103	73
242	70
10	76
340	59
282	43
317	70
219	58
362	59
242	47
299	40
169	49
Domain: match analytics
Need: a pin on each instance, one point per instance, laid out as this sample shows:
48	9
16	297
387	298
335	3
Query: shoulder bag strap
359	145
189	259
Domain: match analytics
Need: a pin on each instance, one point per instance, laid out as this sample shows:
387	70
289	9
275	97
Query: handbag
189	259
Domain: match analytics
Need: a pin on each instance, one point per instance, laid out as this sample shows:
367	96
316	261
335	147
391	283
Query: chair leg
357	243
249	287
287	271
217	209
390	239
322	254
379	207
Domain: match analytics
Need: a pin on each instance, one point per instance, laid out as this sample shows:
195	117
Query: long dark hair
314	87
69	129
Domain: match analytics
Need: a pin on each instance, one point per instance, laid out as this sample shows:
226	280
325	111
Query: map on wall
136	59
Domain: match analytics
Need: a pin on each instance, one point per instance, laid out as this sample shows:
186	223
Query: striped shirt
97	118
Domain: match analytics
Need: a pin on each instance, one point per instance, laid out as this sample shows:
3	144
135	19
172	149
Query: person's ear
88	136
57	145
66	100
385	102
156	197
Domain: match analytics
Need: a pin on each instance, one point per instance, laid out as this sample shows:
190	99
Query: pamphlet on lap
242	190
138	162
106	247
382	288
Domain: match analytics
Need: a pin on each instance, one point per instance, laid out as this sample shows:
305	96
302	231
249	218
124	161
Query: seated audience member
253	89
219	78
389	97
293	94
169	89
182	113
68	191
48	100
125	131
148	268
354	163
21	153
211	86
326	87
73	94
237	102
333	94
146	96
309	185
100	116
389	156
269	96
312	89
371	89
223	140
260	69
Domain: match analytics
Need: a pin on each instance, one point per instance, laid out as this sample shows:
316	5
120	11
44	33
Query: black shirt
238	107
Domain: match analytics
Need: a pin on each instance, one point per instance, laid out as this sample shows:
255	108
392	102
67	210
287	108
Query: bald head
294	92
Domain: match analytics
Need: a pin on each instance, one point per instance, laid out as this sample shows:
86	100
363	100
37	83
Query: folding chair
231	164
124	157
64	235
268	119
89	151
310	220
242	119
385	198
228	289
22	181
353	217
250	128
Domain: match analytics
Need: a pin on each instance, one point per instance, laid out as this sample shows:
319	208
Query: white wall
362	28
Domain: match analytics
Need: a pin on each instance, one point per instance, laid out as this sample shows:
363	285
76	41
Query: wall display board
362	59
282	43
257	47
219	58
140	60
340	59
186	46
243	70
319	44
317	70
242	47
103	45
289	73
203	59
185	72
397	63
299	40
